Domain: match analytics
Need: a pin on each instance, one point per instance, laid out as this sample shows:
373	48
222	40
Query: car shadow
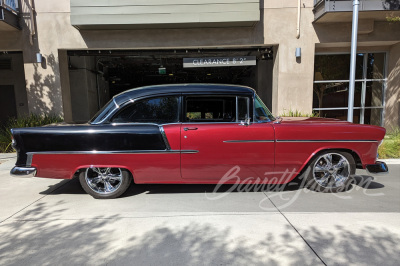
367	182
73	186
65	186
136	189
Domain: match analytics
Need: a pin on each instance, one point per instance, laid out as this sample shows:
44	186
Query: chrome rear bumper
377	168
23	171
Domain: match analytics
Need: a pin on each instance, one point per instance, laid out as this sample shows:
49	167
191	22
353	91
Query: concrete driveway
46	222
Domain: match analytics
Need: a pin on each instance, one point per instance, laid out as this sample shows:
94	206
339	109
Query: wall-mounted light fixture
298	52
38	58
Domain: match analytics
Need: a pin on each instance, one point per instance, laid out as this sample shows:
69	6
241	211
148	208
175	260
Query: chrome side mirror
278	120
245	122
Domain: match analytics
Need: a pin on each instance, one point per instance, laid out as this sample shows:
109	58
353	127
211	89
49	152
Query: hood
312	120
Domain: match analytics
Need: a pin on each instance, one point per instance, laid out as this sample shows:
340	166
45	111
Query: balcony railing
11	5
323	7
9	14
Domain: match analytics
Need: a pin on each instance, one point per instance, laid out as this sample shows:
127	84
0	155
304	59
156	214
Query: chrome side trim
247	141
115	152
322	140
164	136
23	171
189	151
209	123
29	160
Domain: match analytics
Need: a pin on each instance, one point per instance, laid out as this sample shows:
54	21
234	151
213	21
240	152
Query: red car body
269	151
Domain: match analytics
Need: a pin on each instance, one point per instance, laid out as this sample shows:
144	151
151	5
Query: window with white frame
331	87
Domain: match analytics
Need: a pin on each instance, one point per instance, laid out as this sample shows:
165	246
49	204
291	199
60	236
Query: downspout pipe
298	19
356	4
33	31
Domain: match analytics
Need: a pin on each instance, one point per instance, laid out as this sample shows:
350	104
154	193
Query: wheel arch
82	168
353	153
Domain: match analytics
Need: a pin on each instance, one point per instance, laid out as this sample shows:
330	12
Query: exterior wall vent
5	63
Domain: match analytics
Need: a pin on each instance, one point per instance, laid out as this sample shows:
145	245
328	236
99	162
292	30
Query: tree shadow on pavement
46	239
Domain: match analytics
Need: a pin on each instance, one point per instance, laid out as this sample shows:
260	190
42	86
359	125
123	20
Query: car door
224	141
155	164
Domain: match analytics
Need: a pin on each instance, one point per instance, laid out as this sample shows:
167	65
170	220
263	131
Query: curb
390	161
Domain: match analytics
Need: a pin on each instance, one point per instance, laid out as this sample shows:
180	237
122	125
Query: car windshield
261	112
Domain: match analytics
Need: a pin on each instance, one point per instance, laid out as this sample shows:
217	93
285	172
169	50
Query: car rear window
158	110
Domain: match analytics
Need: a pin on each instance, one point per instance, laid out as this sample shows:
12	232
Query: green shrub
296	113
390	147
32	120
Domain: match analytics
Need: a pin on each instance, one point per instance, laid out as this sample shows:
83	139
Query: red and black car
196	134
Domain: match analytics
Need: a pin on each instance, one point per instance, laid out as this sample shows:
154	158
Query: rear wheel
105	182
331	171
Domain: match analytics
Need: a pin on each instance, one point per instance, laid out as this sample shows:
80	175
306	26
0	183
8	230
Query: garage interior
95	76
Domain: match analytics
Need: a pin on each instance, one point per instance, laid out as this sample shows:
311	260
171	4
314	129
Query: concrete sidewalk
46	222
4	157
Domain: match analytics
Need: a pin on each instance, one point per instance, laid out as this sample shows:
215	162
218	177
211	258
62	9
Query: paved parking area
46	222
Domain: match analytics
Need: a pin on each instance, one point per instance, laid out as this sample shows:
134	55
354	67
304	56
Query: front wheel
331	171
105	182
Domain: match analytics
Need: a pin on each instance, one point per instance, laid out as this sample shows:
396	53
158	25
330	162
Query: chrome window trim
116	104
248	141
322	140
237	108
146	124
114	152
164	136
131	101
108	115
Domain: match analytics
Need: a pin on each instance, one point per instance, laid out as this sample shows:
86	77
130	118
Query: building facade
69	57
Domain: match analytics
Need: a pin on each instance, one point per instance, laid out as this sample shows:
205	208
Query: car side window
262	114
243	108
158	110
210	109
216	108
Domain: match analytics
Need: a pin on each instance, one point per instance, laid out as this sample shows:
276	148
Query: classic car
196	134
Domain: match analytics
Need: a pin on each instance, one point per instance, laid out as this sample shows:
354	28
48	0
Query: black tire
105	183
332	177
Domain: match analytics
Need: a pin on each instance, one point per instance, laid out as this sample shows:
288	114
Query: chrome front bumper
377	168
23	171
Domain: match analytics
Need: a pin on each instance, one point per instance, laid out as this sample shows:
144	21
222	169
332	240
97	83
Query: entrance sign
220	61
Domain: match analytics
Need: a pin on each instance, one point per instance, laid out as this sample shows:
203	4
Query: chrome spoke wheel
103	180
331	170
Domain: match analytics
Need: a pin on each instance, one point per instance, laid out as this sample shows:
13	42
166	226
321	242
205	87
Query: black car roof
181	88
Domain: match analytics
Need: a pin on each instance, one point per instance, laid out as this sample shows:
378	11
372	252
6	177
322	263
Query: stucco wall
15	77
111	14
293	76
392	108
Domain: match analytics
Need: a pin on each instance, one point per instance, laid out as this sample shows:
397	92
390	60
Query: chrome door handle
190	128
